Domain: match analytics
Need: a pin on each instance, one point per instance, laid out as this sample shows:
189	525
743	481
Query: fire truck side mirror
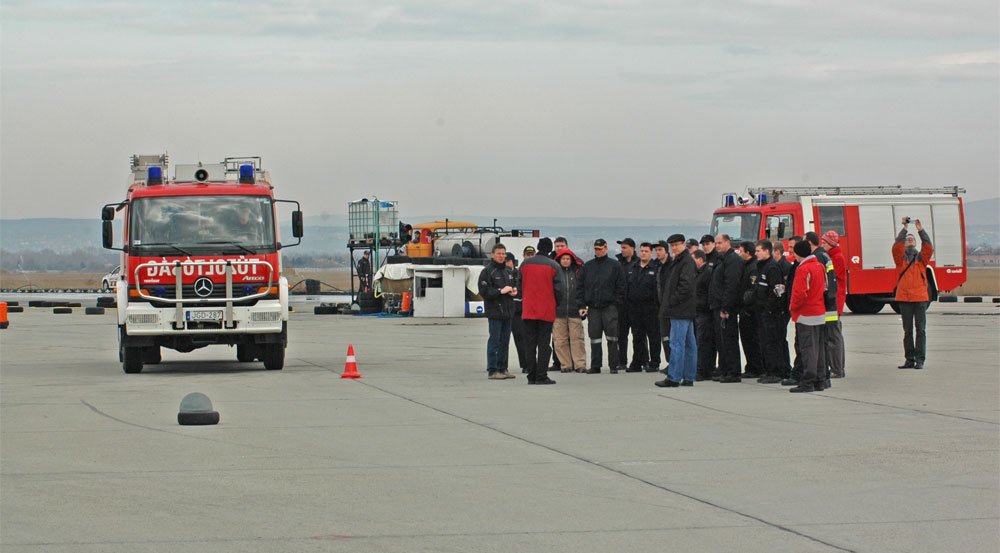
108	213
297	224
107	234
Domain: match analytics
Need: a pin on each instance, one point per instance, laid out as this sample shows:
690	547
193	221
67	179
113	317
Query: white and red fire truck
200	262
867	220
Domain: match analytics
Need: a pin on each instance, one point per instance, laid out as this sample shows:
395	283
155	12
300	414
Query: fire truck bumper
266	317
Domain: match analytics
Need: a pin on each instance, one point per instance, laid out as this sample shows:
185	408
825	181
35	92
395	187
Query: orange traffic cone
4	323
351	367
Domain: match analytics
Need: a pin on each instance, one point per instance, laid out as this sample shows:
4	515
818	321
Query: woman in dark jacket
568	327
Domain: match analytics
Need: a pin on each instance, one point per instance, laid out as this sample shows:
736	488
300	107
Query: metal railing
179	299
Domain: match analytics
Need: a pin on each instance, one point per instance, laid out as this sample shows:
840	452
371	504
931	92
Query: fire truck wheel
863	305
274	356
151	355
244	353
132	360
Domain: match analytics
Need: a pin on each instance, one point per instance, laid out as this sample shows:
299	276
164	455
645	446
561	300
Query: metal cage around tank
372	222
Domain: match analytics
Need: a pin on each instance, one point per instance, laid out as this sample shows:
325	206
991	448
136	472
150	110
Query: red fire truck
200	262
867	219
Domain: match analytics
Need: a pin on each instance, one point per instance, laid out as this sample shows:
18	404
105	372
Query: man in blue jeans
498	286
678	298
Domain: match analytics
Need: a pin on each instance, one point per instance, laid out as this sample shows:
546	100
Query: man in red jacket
540	286
835	356
911	291
808	310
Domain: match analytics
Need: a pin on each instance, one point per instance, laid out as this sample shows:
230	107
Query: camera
906	220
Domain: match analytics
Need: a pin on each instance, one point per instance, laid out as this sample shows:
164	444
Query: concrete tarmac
425	454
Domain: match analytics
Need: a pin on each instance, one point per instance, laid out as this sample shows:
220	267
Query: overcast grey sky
591	107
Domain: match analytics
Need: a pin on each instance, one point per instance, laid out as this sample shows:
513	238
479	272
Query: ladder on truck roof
775	194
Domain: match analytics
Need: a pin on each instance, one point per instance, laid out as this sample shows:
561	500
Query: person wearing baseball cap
628	260
711	254
600	289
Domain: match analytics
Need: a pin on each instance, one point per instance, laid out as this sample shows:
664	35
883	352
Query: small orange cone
351	367
4	323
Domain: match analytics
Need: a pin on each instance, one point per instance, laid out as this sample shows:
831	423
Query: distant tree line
88	260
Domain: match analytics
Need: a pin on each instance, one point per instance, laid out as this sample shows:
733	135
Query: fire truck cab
200	261
867	220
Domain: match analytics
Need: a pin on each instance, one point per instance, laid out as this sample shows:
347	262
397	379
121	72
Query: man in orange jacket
911	290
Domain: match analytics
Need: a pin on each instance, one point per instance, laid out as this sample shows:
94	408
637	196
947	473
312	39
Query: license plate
204	315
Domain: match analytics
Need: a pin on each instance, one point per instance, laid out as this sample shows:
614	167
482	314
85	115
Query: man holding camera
911	290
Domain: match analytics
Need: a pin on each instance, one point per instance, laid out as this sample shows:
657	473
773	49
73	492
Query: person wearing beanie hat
912	293
545	246
802	250
808	309
711	254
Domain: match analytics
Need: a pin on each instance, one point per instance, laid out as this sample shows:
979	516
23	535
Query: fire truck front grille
218	293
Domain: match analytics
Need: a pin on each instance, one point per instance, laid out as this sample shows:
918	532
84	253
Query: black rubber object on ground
198	419
93	310
62	310
948	299
15	309
35	303
74	304
973	299
196	410
325	310
996	300
13	304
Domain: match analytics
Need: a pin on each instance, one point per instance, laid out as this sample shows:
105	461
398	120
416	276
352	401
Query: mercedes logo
203	287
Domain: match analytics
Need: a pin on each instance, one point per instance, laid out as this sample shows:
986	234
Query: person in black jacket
662	270
724	299
641	304
768	304
711	254
599	291
498	286
778	254
793	371
679	295
748	317
628	259
704	327
516	323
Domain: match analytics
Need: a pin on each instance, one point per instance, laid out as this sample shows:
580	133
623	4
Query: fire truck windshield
166	224
739	226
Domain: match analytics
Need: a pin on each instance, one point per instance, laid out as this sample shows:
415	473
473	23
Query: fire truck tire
274	356
244	353
62	310
93	310
132	360
863	305
151	355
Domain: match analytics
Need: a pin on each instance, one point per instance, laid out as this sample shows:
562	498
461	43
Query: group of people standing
697	301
